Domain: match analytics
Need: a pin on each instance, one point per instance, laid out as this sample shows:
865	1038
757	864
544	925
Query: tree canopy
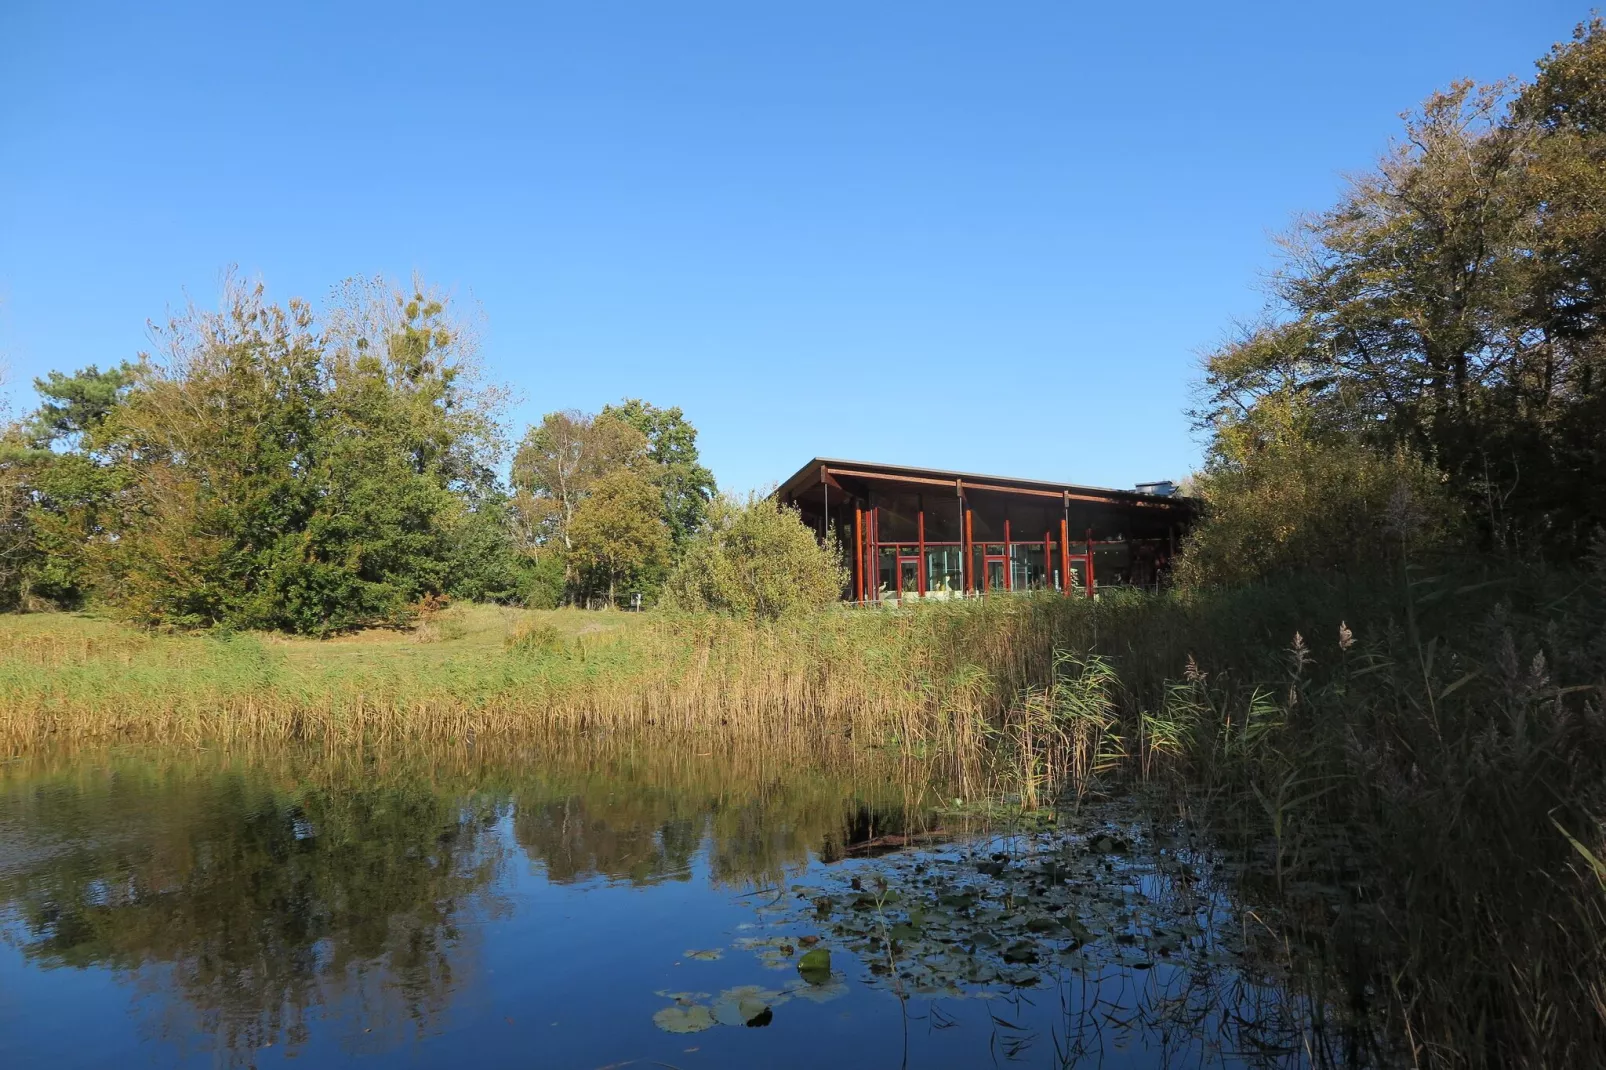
575	477
274	466
1450	305
270	469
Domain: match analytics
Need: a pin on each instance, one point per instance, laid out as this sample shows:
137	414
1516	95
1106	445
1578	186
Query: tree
561	461
1449	305
69	478
17	545
756	559
75	406
279	476
686	485
618	535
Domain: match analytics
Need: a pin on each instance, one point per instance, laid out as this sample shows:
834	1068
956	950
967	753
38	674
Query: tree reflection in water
251	895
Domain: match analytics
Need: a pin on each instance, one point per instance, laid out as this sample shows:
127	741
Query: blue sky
992	237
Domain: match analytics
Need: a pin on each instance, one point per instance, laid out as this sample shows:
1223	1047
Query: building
923	532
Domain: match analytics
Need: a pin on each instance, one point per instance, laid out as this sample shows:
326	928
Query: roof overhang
830	471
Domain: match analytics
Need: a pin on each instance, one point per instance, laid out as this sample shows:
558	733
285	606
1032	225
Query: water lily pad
685	998
1022	977
815	966
679	1019
746	1006
1021	951
832	988
708	955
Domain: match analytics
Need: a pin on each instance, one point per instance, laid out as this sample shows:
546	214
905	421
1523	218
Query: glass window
909	577
1026	567
943	576
887	575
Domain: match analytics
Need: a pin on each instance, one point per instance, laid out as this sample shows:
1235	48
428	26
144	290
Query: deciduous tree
618	536
686	485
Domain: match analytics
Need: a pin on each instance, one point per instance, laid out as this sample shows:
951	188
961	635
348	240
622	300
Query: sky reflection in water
540	909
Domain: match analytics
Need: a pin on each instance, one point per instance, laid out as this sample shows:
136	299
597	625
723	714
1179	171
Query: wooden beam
858	546
996	488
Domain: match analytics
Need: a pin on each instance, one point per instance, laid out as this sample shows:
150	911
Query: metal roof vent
1165	488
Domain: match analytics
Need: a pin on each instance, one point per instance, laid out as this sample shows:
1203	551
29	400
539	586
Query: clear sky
984	236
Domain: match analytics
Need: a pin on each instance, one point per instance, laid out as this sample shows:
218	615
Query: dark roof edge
813	466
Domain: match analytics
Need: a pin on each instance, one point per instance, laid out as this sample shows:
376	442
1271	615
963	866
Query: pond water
628	907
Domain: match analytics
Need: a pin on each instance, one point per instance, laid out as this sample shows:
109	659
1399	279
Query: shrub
535	638
1293	503
756	559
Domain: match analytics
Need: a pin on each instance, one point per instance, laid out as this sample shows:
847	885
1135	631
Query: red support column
858	553
1065	557
1009	561
1090	580
969	550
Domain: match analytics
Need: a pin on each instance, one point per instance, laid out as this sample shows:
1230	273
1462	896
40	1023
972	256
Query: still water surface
599	910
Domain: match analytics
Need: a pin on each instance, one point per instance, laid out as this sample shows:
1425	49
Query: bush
543	579
535	638
1294	504
756	559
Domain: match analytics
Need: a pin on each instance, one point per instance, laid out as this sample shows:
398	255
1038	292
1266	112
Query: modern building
923	532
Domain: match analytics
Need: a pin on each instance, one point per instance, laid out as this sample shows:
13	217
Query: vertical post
875	550
964	546
920	522
1009	559
1065	557
1090	580
969	538
858	553
825	525
1048	562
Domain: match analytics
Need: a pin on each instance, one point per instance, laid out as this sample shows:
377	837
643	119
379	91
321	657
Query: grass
1414	766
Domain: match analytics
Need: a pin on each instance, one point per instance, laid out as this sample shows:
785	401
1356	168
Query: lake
607	906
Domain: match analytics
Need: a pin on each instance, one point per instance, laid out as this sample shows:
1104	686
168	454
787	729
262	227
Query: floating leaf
678	1019
747	1004
1021	951
815	966
708	955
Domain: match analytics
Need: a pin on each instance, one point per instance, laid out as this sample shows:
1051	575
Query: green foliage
573	475
1450	304
535	639
618	537
17	544
275	476
686	485
543	579
756	559
1280	500
76	405
561	461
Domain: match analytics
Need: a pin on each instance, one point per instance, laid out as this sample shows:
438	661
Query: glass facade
944	578
1026	567
1030	558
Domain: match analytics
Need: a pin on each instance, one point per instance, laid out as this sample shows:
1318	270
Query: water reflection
260	900
248	894
515	909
